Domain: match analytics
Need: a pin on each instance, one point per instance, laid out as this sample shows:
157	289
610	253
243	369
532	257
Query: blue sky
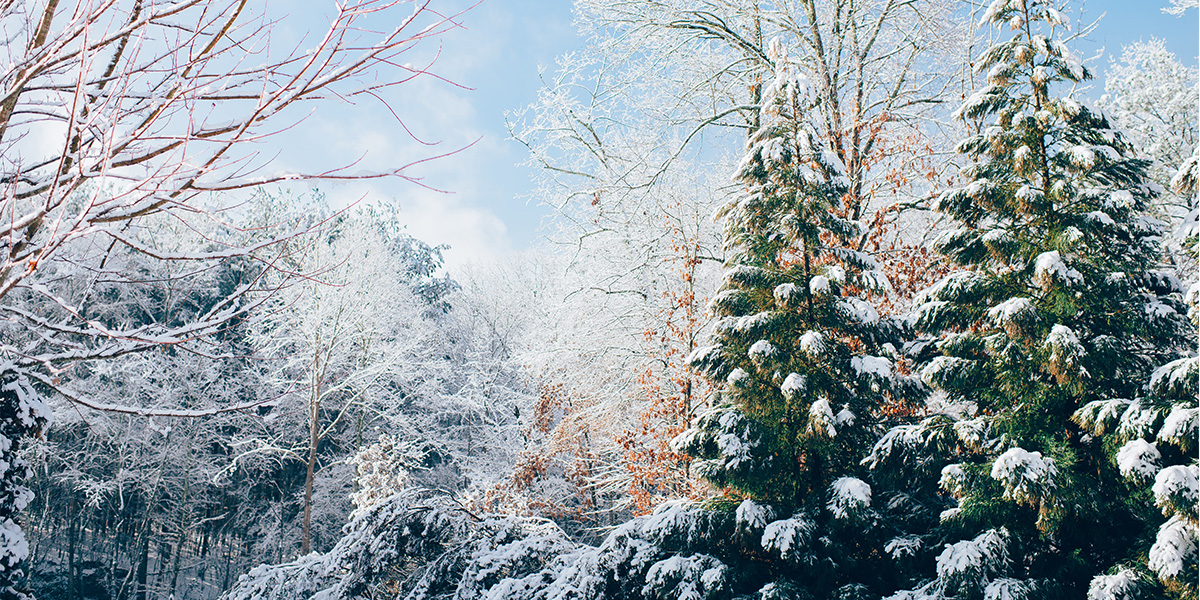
498	55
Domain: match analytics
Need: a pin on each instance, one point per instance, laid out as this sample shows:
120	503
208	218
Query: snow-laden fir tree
1057	304
802	360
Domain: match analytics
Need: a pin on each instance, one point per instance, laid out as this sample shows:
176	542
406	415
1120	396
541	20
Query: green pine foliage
1057	304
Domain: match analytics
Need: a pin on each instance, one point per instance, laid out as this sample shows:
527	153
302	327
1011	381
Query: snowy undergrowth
420	545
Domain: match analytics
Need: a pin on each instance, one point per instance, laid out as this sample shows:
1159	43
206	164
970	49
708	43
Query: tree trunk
306	540
183	513
71	535
143	567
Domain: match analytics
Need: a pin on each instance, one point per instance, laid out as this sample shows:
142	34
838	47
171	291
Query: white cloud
436	218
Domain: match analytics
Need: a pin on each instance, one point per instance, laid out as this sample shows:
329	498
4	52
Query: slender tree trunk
306	540
182	527
71	567
143	568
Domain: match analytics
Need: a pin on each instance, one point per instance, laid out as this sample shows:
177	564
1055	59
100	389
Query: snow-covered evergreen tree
1057	304
802	360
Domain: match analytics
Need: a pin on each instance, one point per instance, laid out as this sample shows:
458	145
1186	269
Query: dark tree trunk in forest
143	567
306	541
72	586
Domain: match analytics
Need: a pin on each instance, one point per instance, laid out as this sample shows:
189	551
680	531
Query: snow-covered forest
839	299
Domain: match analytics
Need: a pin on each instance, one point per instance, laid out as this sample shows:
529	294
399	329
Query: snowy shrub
821	419
1007	588
1177	378
1098	416
1050	268
22	416
1138	420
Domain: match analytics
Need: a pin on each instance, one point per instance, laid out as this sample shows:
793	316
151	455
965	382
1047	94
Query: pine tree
1057	304
802	360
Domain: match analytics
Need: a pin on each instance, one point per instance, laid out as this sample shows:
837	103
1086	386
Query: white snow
876	366
904	546
1174	547
845	417
760	351
1175	487
1119	199
733	449
13	545
877	281
952	479
975	433
738	377
1081	156
1138	459
1026	476
850	496
978	188
861	310
812	343
1098	415
1180	425
703	354
1173	377
785	294
1121	586
788	537
1137	421
951	285
998	234
932	371
1010	309
1028	194
978	557
792	385
750	515
1100	217
819	285
1049	267
1065	351
692	577
820	418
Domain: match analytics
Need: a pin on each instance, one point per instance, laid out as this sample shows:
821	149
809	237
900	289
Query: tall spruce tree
1057	307
802	360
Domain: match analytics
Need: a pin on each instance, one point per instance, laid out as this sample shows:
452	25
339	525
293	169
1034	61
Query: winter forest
838	299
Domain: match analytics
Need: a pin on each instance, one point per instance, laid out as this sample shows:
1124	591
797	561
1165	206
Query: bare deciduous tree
119	113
